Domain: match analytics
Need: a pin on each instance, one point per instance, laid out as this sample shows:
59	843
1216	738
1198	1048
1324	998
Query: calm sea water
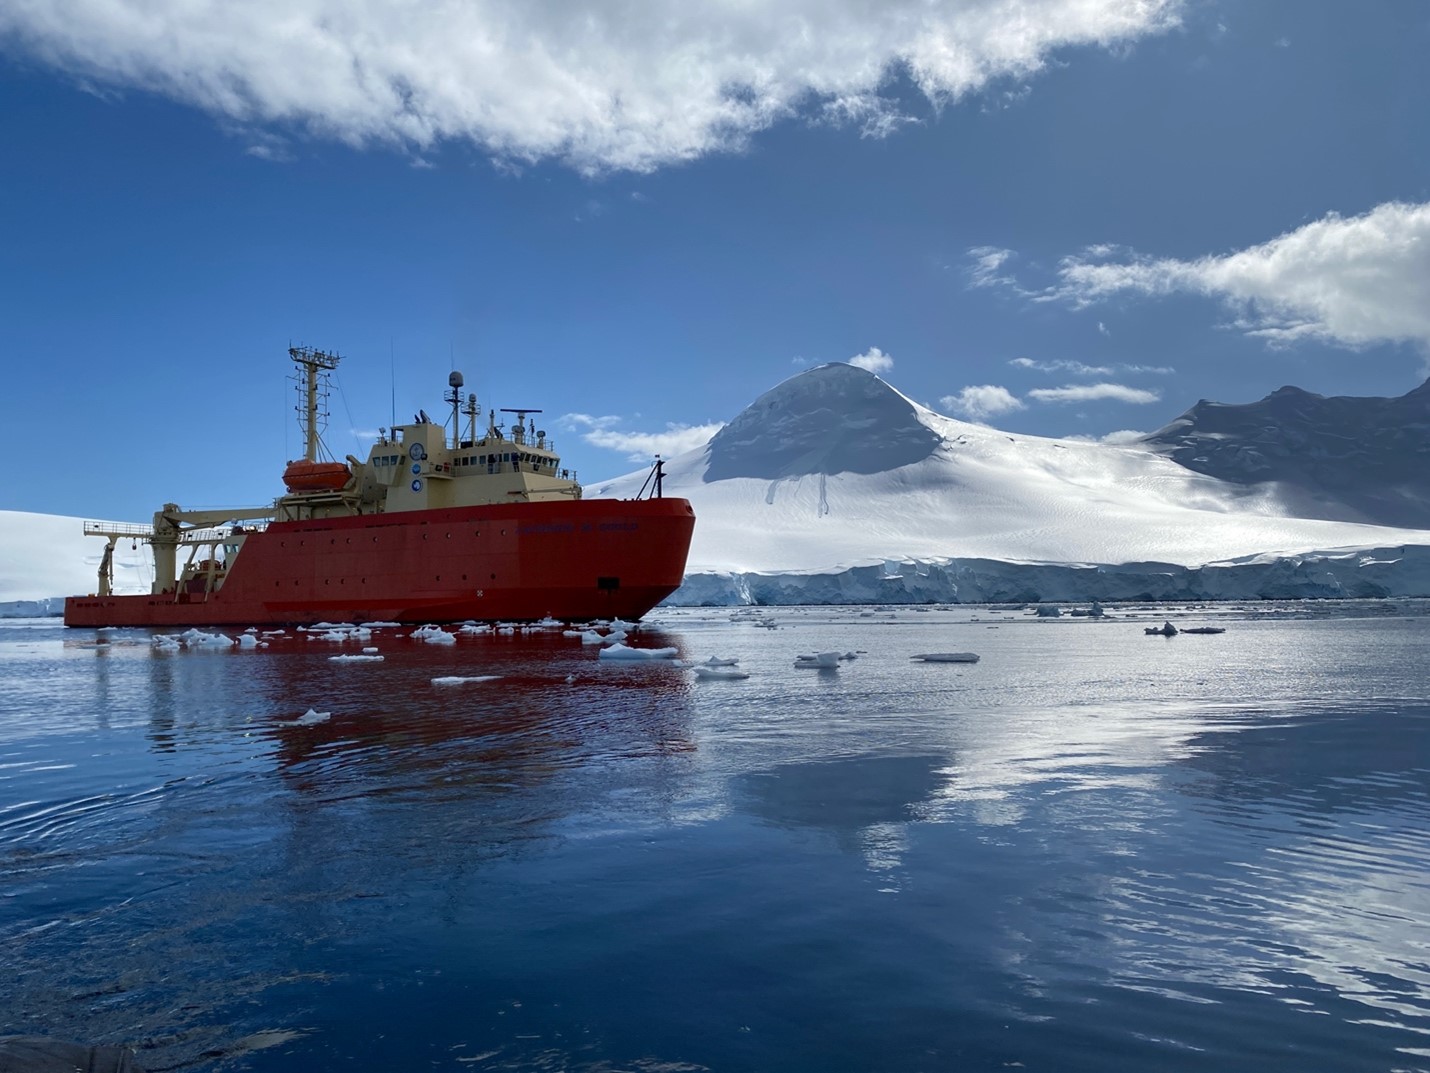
1092	850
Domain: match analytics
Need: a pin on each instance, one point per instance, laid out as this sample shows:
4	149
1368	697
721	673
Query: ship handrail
118	528
211	535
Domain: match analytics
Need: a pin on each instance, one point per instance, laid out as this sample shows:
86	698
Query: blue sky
1057	217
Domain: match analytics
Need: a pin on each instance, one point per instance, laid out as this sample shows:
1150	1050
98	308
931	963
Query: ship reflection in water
1077	854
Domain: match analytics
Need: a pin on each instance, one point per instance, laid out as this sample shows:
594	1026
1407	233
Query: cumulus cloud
873	360
1122	436
1092	393
639	446
611	87
1353	281
980	401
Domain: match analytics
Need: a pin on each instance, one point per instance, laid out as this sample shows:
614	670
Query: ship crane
173	528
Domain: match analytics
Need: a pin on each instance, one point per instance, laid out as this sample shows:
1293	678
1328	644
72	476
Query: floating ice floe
193	638
620	651
818	659
459	679
471	629
591	637
382	625
312	717
248	640
369	650
547	623
716	661
722	672
947	657
434	635
353	657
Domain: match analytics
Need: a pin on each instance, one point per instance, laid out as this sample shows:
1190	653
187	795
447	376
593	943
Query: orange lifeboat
305	476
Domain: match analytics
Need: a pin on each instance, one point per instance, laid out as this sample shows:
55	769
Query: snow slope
957	490
43	556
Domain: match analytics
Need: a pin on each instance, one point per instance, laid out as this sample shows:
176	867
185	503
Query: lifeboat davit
305	476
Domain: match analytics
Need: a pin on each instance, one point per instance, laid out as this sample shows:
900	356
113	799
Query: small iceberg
312	717
716	661
355	658
620	651
1164	630
946	657
725	673
434	635
819	659
460	680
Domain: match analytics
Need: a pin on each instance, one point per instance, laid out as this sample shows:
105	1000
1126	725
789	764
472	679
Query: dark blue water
1092	850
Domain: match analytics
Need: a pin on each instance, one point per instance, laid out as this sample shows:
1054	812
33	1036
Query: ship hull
573	561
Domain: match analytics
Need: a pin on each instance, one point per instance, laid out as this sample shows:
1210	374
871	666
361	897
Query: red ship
431	527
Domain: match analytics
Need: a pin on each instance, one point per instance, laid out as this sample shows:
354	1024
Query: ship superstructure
479	522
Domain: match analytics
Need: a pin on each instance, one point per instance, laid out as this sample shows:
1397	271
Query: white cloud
1119	438
988	262
876	117
639	446
631	87
1123	436
980	401
873	360
1093	392
588	421
1354	281
1077	368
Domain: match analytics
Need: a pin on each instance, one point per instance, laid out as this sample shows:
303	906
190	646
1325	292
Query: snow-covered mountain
832	483
1350	459
834	488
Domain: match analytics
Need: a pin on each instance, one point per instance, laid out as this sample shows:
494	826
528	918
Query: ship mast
311	360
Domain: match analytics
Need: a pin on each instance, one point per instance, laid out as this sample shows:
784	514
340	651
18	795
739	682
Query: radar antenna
313	388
